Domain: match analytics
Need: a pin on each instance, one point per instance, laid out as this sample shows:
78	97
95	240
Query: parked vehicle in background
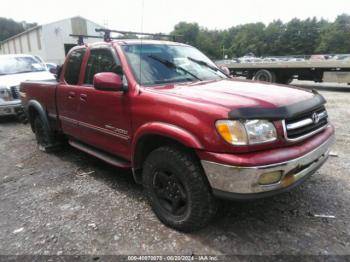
13	70
190	133
341	57
296	59
318	57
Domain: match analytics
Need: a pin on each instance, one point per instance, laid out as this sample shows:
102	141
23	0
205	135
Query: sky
161	15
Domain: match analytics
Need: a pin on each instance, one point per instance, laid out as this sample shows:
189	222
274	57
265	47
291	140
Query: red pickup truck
190	133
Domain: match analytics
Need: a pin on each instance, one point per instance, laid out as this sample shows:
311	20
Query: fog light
270	178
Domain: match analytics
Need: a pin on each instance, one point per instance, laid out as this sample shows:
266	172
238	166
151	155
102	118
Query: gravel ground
71	203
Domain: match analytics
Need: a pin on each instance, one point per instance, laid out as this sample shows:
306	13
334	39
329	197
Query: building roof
39	26
23	33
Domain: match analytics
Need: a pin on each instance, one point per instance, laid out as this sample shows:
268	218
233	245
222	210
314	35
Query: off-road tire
201	206
45	138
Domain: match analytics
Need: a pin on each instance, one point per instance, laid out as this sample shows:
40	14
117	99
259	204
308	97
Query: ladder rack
107	35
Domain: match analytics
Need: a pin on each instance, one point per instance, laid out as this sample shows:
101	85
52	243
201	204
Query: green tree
249	39
188	31
335	37
273	38
296	37
9	27
210	42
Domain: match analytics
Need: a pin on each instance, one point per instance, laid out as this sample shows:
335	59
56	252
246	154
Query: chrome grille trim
304	136
305	122
15	92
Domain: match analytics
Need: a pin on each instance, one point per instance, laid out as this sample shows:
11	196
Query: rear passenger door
104	116
67	96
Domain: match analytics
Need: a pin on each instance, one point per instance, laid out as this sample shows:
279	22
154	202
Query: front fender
167	130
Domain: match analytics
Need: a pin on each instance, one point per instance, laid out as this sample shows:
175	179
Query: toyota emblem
315	118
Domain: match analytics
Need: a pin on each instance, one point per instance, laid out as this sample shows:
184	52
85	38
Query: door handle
83	97
71	95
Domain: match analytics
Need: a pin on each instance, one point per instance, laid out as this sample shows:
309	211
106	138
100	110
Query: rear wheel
177	189
44	137
265	76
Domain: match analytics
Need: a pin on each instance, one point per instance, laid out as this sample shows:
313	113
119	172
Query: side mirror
53	70
56	71
108	82
225	70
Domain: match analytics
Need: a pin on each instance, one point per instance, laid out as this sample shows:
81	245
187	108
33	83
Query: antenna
143	11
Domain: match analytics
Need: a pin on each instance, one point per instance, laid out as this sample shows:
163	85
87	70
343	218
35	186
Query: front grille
306	124
15	92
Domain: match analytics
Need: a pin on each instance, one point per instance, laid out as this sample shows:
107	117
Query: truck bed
44	91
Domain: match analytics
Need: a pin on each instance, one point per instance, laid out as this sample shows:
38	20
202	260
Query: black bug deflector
278	112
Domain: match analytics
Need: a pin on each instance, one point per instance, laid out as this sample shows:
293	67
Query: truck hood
238	93
16	79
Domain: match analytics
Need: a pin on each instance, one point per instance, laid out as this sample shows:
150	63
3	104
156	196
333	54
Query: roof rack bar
109	31
81	37
107	35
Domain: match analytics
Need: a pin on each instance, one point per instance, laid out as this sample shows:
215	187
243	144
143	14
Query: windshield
154	64
19	64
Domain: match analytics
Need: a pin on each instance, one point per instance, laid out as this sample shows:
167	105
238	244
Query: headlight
5	94
246	132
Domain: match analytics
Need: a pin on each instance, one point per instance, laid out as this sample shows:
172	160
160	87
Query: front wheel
178	190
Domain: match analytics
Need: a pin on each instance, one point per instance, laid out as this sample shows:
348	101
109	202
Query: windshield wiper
203	63
170	64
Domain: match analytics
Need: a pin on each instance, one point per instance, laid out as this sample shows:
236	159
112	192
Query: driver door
104	116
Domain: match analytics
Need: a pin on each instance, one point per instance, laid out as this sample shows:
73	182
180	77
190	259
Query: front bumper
243	182
9	107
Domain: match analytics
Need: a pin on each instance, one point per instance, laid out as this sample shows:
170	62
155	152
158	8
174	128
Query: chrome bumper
9	107
245	180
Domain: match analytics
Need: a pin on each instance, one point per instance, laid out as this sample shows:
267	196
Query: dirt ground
71	203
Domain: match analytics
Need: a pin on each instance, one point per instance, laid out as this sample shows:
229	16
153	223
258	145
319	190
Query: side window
71	74
101	60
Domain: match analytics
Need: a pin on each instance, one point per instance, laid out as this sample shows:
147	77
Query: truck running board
109	158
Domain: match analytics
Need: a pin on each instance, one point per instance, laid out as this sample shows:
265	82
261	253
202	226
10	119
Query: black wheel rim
170	192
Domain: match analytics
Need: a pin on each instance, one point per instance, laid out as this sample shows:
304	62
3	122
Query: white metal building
50	41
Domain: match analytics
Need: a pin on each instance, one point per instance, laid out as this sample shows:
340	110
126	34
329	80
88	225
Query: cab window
101	60
72	71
